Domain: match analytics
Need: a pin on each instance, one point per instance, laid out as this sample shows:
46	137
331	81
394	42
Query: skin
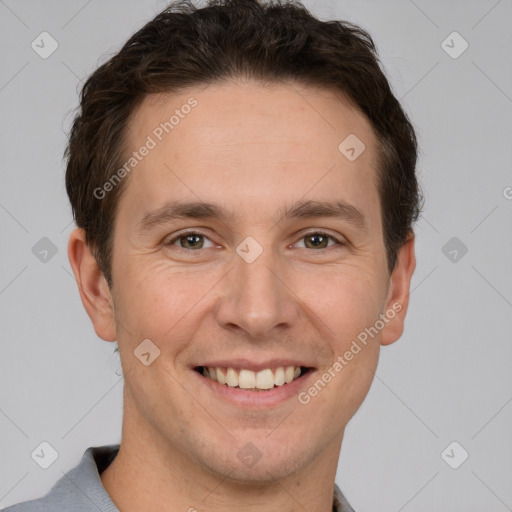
251	148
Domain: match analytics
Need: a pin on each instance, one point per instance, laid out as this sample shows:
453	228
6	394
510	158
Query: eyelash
305	235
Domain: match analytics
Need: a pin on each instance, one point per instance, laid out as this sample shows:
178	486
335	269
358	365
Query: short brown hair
276	41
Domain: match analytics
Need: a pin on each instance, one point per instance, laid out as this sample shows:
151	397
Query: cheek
145	301
346	298
349	304
162	303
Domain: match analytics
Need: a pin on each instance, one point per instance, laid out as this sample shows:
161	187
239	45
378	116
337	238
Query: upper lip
253	365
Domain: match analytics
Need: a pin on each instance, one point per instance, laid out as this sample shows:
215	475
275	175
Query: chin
256	462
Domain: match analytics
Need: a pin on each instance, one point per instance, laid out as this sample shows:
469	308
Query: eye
190	240
193	241
319	240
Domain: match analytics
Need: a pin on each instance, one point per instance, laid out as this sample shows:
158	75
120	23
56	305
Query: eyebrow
180	210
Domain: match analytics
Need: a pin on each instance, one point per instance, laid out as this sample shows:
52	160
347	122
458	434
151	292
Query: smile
263	380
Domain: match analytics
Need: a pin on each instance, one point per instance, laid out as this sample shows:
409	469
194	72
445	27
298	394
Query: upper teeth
247	379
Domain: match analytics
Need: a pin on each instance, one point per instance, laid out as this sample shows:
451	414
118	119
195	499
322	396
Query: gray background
448	378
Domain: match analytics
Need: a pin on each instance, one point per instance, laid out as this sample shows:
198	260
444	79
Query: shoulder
44	504
80	489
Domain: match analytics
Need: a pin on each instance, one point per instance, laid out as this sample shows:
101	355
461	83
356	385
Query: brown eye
318	240
190	241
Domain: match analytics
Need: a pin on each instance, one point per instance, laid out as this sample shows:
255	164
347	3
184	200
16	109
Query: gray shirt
81	490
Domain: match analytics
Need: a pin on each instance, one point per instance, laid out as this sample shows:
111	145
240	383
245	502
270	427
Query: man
243	182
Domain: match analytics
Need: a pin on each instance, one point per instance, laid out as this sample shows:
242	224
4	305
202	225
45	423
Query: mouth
257	381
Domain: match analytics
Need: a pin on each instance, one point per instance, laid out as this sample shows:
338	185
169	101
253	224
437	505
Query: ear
398	293
93	288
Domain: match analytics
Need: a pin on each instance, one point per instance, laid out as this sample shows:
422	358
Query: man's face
300	289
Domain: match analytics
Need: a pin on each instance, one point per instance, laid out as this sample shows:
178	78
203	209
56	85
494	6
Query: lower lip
251	399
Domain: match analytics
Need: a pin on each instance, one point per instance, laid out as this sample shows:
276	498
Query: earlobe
92	286
398	294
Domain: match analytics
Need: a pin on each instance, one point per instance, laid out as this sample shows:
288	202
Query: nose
257	298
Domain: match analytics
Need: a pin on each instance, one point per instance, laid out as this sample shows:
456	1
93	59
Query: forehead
252	146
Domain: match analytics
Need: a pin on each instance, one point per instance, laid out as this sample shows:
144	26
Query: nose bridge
255	299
